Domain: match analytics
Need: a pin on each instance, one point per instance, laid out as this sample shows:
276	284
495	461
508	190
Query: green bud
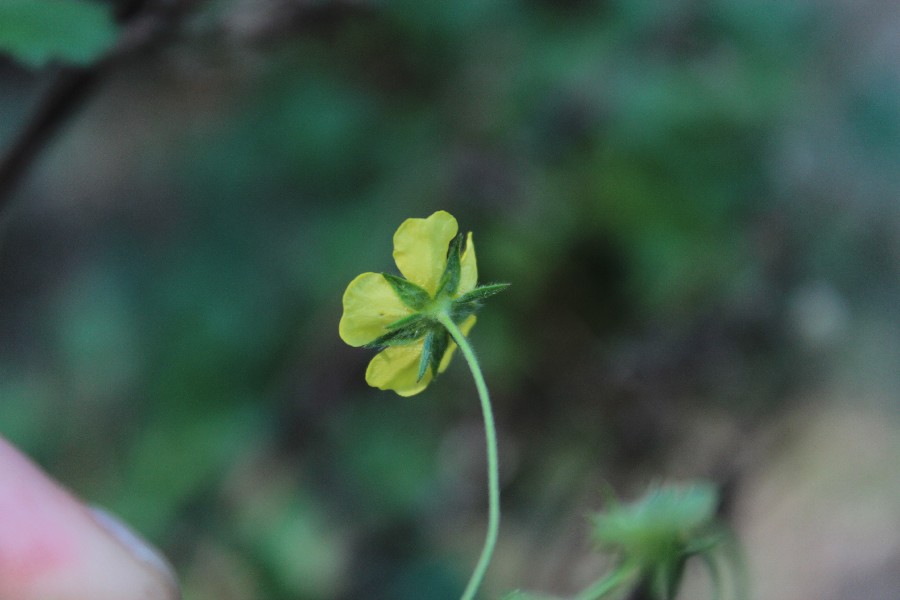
660	532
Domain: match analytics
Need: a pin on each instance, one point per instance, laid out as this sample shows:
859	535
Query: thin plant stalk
490	434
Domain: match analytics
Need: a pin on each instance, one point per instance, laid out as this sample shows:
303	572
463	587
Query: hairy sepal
435	346
450	278
470	302
409	293
402	334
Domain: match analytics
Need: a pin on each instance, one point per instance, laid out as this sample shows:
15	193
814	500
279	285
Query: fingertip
53	546
139	549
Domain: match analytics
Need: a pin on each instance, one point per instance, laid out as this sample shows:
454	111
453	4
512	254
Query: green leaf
450	278
409	293
38	31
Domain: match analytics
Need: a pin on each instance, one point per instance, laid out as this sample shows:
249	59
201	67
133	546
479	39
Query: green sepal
438	349
399	337
417	318
470	302
482	292
424	360
450	278
404	334
409	293
433	349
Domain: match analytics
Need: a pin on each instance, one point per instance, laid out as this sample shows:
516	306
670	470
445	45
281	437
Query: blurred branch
144	23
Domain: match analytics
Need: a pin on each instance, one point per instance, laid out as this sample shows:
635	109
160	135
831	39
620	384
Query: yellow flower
383	310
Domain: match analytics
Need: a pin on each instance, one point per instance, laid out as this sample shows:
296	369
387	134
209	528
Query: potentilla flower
400	315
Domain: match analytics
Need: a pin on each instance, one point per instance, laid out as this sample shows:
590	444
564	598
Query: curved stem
610	583
490	435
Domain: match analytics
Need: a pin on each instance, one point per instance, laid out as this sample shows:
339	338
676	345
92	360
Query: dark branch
66	95
144	22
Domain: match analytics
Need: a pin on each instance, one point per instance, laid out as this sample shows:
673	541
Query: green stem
610	583
490	435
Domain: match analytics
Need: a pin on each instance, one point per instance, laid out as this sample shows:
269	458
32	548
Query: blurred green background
697	204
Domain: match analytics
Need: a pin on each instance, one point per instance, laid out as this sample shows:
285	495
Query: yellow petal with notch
420	248
370	304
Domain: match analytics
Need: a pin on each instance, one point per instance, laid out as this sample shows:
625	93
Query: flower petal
468	277
370	304
397	368
420	248
466	327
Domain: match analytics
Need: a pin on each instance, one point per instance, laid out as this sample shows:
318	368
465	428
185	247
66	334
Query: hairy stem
490	434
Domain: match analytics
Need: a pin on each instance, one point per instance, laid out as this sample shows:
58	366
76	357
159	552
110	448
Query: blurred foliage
39	31
695	203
